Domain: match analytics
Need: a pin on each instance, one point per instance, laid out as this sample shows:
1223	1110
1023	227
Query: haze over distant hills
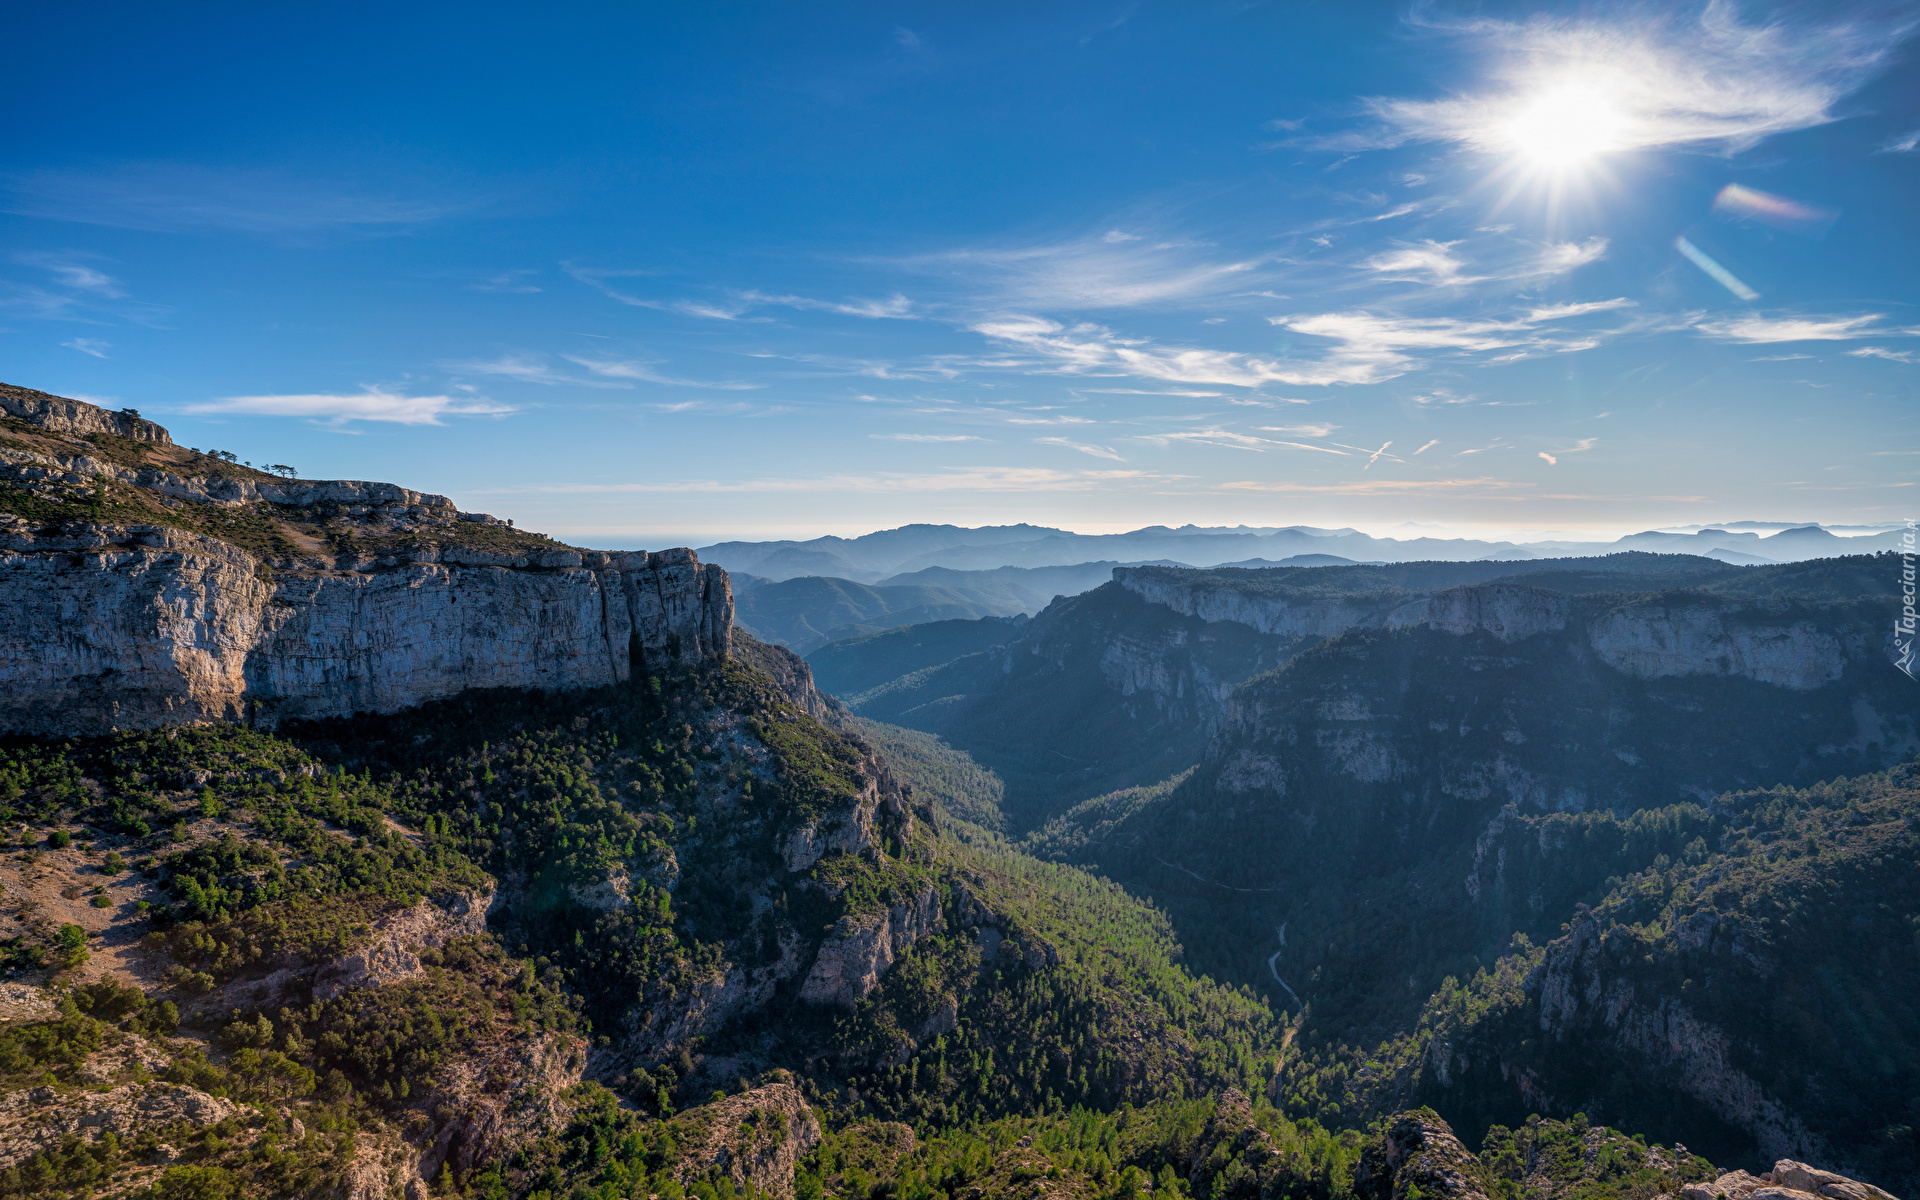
874	557
806	594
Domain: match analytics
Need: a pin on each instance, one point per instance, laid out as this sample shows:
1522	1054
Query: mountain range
363	847
882	556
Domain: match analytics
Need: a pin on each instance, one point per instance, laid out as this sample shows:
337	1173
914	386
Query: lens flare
1719	274
1751	204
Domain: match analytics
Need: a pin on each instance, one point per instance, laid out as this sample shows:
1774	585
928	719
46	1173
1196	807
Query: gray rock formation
755	1139
130	626
76	416
862	948
1789	1180
1419	1156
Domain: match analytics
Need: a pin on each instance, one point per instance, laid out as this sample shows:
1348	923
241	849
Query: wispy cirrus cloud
372	404
1645	77
512	282
642	371
1093	271
926	437
93	346
1083	447
1754	330
184	198
75	288
601	372
894	307
958	479
1577	308
1224	438
75	274
525	368
1366	348
1431	262
735	306
1482	485
1899	356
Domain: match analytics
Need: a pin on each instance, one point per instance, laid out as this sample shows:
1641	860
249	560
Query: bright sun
1566	126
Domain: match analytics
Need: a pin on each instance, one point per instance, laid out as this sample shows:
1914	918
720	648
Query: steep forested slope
664	888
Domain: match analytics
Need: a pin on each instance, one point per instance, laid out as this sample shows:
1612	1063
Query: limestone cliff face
106	627
1769	643
1191	594
1585	988
1508	611
315	599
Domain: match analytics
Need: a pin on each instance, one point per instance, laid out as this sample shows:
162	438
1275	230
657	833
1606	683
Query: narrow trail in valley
1276	977
1275	971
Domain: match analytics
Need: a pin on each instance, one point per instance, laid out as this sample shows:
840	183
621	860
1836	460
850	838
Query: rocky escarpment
1123	685
1198	594
112	627
226	593
1585	988
1471	693
1771	641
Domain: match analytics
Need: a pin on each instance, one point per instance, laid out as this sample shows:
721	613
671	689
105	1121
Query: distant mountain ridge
911	548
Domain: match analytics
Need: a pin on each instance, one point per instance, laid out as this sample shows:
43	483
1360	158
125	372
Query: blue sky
637	274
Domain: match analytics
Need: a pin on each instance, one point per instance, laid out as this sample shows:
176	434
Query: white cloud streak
1090	272
1755	330
1082	447
373	404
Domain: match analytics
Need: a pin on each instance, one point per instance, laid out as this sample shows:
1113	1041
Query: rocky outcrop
363	597
730	989
849	827
789	672
390	954
40	1118
108	627
495	1100
76	416
1789	1180
1419	1156
31	468
863	946
755	1139
393	953
1584	988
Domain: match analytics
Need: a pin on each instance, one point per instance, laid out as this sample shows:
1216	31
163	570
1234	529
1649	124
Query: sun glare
1566	126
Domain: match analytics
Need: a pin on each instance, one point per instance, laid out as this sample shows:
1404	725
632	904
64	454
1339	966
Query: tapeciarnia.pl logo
1903	625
